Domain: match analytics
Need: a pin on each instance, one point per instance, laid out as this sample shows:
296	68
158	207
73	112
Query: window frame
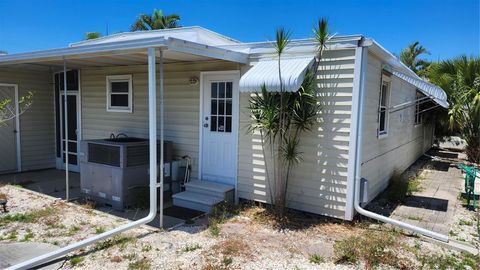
385	80
417	117
119	78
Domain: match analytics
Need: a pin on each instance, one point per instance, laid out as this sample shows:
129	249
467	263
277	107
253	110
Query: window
383	107
221	107
119	93
418	115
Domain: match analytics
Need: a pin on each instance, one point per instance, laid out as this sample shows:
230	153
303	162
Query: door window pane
221	107
228	124
213	123
228	107
221	124
221	90
214	90
214	107
229	90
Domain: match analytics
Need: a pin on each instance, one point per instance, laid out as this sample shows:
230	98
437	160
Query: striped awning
430	90
266	72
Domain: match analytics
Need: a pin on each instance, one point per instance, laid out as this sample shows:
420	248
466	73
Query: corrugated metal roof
266	72
434	92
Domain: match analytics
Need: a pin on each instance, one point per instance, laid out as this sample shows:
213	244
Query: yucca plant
281	117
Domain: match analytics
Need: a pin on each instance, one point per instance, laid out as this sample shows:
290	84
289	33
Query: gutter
152	124
355	167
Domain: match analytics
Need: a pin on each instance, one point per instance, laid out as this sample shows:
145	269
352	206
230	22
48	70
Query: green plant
28	217
399	187
190	248
142	264
99	230
155	21
119	240
373	247
92	35
146	248
460	79
463	222
73	230
9	112
28	236
214	229
227	260
281	116
316	258
12	236
77	260
410	57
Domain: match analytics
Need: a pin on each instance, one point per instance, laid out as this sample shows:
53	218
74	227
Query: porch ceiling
122	54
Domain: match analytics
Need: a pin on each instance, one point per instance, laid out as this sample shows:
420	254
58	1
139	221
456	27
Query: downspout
152	125
358	158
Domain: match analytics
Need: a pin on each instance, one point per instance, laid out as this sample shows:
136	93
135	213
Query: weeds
219	215
463	222
399	188
373	248
77	260
120	240
190	248
73	230
29	217
99	230
316	258
12	236
146	248
227	260
214	229
141	264
28	236
463	261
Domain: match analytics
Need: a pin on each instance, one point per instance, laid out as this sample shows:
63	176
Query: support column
65	128
161	137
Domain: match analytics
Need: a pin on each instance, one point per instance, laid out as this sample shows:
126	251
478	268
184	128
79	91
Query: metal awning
430	90
265	72
129	52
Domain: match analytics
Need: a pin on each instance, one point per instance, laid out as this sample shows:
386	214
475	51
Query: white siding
37	124
181	105
404	143
318	184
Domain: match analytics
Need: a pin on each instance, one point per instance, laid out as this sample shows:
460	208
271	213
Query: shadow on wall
318	184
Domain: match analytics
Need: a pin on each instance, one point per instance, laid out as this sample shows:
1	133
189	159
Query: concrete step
196	201
209	188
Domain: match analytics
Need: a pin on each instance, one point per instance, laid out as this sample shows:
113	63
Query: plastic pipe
358	165
152	125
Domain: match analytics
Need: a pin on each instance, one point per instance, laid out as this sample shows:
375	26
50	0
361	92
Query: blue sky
446	28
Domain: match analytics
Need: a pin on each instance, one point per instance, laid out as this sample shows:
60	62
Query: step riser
200	190
192	205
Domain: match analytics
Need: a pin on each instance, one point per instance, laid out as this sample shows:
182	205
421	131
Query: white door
219	127
8	129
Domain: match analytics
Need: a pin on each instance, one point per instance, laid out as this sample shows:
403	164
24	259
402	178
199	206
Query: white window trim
417	106
384	133
119	78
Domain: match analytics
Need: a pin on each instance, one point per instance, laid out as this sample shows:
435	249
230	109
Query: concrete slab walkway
13	253
435	206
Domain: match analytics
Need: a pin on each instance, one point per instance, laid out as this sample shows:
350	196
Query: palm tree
92	35
410	57
460	78
155	21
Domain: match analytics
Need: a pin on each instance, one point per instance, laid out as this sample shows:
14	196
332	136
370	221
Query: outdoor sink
125	139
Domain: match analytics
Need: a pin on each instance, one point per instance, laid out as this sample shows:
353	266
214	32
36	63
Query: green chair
470	175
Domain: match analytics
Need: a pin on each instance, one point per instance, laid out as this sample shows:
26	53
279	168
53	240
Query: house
208	79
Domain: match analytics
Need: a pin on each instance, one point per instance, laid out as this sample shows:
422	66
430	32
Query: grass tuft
190	248
316	258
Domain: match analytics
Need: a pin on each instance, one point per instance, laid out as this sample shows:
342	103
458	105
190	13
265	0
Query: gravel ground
246	240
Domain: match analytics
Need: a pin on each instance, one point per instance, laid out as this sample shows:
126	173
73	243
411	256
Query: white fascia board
183	46
82	51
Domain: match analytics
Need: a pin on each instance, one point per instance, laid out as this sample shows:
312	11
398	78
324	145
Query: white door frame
17	125
235	128
60	165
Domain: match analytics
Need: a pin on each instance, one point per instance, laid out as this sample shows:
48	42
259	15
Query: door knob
205	125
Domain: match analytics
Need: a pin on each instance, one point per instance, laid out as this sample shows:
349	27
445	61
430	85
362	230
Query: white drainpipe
152	125
358	158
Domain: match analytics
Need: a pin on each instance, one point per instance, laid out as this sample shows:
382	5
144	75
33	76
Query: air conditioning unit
115	171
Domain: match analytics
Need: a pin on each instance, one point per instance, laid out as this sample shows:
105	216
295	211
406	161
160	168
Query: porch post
65	126
161	137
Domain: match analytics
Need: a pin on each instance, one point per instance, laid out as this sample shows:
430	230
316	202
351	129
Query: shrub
316	258
76	260
189	248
